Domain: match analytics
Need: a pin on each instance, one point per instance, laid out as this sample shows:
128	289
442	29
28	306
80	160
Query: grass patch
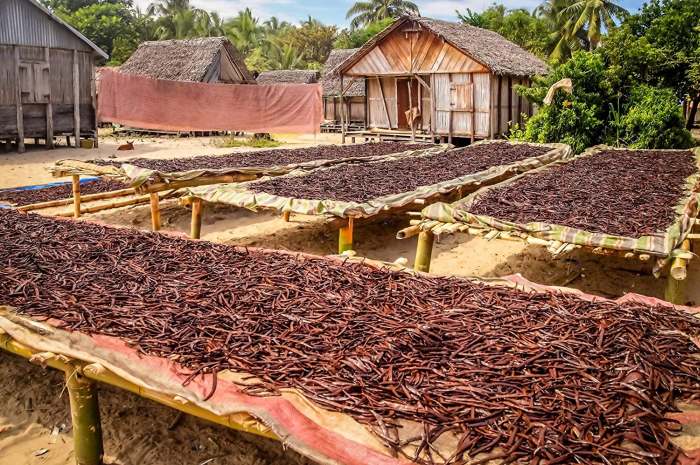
255	142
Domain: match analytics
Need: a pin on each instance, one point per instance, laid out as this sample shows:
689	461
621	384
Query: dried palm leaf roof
489	48
330	80
184	60
288	76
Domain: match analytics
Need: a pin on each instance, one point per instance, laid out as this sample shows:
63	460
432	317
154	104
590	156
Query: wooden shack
47	73
430	79
354	96
288	76
208	59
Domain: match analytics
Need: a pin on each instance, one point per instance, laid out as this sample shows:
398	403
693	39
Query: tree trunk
690	122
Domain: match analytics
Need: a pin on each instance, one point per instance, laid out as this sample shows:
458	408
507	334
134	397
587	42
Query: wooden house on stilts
432	79
47	76
354	105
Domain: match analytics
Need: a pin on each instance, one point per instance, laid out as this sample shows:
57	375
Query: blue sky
333	11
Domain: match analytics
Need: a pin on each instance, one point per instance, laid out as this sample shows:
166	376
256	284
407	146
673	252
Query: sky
333	11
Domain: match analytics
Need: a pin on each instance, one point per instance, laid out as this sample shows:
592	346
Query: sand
137	431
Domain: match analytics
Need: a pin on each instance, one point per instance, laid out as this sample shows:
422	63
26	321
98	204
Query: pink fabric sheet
157	104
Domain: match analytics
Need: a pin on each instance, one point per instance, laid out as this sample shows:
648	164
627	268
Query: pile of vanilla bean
529	377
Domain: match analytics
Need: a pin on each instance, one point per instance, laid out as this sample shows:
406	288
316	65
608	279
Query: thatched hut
47	72
288	76
209	59
354	94
432	78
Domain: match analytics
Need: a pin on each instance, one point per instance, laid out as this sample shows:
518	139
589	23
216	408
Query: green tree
312	39
244	31
594	16
517	25
353	38
366	12
562	41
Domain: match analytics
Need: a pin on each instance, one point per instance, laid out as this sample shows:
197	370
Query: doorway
403	102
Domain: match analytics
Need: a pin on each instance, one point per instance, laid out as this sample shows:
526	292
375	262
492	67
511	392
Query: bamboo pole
83	199
196	224
155	211
675	286
286	215
410	231
96	372
424	251
345	236
109	206
76	195
85	415
201	181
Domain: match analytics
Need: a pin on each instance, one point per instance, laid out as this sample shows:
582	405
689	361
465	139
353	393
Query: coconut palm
367	12
244	31
563	40
177	19
594	15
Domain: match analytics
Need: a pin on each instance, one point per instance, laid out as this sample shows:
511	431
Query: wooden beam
93	97
449	124
433	109
473	136
520	110
76	99
155	211
409	83
49	104
18	103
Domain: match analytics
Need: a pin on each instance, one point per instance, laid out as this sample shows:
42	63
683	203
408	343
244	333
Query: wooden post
85	416
510	98
76	99
93	96
410	108
473	138
155	211
196	225
76	195
498	106
49	105
18	104
449	124
520	108
424	251
386	107
342	113
286	215
345	236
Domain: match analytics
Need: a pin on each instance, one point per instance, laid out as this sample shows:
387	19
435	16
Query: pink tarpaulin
194	106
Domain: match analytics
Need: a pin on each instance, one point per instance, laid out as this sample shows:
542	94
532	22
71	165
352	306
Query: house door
403	102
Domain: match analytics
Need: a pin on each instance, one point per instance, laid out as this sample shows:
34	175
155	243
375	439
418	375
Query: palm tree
596	14
367	12
244	31
177	19
563	40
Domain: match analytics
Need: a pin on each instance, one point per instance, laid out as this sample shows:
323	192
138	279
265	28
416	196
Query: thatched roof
184	60
330	79
288	76
489	48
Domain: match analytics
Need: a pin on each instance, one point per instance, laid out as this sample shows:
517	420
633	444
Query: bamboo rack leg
345	237
286	215
424	251
76	196
155	212
675	291
196	224
85	413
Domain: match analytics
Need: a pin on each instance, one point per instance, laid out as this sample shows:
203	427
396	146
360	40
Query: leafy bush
577	119
654	119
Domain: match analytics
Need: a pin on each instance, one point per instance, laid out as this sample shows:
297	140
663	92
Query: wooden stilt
155	212
76	195
677	274
345	237
286	215
424	251
18	103
85	414
196	224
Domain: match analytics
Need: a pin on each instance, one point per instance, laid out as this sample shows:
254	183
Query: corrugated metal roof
24	22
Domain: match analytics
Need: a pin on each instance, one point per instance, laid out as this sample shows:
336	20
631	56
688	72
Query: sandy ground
137	431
